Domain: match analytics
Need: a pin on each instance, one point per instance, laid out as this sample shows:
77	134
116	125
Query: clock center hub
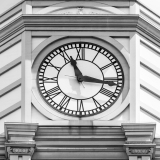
75	89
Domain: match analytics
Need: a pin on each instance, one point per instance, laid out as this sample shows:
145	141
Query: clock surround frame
58	41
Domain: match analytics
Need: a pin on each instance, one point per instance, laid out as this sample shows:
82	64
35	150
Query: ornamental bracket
20	139
139	139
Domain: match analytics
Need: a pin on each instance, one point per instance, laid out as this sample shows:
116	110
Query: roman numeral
96	103
106	66
80	53
106	92
64	102
80	106
65	56
50	80
83	53
51	65
54	91
96	55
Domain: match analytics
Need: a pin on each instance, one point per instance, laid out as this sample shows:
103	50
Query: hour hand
95	80
77	72
73	62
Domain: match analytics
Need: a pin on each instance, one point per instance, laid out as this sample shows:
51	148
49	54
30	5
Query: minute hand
95	80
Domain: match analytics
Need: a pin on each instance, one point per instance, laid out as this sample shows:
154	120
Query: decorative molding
148	9
10	87
54	22
20	138
149	110
2	147
80	149
10	65
12	11
9	43
130	23
10	109
124	3
139	150
136	142
133	132
86	8
150	66
59	140
149	18
150	90
140	137
21	142
25	131
151	30
10	19
23	151
19	151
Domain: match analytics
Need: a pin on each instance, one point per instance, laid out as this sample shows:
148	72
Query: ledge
100	23
86	142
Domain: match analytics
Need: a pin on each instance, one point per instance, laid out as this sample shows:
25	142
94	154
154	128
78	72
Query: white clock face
59	86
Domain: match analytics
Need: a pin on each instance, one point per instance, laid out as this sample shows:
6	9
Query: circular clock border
84	113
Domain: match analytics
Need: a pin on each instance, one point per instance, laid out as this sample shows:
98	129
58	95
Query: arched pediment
77	8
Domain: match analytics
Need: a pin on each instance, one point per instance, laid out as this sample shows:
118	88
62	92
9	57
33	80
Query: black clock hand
77	72
95	80
73	62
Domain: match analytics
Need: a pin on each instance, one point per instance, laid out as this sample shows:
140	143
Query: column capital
17	150
140	150
20	138
139	133
139	139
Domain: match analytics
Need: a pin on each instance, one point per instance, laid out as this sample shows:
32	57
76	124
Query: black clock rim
93	114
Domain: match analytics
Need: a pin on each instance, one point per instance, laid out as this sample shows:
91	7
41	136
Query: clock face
59	86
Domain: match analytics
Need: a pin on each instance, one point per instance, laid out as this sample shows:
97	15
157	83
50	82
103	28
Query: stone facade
30	129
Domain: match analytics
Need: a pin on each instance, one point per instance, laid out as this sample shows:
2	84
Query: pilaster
26	77
134	78
139	141
134	8
20	143
27	7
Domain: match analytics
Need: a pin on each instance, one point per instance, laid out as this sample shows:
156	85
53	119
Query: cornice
69	22
20	138
150	30
133	131
147	7
45	140
114	23
139	139
12	28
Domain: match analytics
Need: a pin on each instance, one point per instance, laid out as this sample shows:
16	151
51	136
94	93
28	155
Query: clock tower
80	80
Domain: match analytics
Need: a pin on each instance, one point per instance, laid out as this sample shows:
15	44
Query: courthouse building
79	80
